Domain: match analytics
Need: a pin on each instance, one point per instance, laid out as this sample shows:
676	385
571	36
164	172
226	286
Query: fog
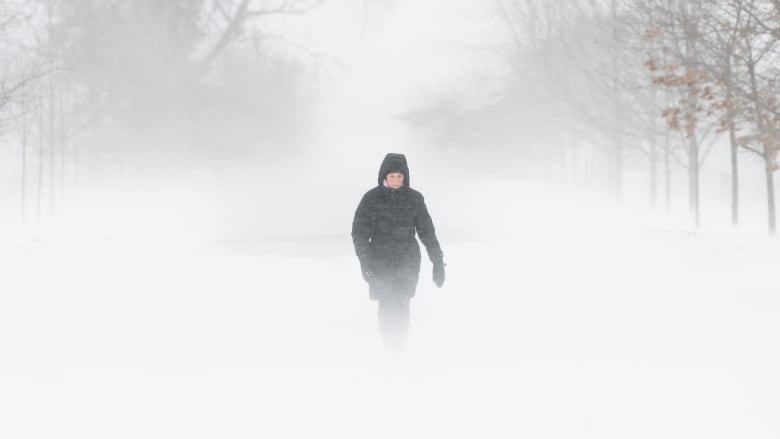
178	189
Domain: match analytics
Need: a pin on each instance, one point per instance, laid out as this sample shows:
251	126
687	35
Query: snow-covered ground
560	318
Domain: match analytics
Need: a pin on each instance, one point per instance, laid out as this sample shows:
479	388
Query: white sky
394	54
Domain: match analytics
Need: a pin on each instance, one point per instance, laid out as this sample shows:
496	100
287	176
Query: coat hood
394	162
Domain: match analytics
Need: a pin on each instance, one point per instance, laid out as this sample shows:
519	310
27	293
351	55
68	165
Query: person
383	233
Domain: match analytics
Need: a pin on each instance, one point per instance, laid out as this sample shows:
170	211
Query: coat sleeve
361	229
427	233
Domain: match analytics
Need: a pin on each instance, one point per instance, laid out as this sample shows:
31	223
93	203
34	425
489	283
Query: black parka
383	232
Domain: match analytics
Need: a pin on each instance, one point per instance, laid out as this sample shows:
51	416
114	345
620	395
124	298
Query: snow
563	316
231	305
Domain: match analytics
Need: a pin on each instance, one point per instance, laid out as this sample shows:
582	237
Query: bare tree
564	43
229	20
756	52
142	70
720	39
105	80
677	65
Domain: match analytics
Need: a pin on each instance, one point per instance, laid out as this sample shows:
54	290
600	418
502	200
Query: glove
365	270
438	273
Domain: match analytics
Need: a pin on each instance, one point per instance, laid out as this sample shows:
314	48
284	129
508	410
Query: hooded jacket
383	233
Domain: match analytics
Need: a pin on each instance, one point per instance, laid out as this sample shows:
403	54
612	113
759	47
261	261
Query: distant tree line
147	81
667	79
662	81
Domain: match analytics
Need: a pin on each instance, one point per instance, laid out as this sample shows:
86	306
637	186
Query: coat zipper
395	250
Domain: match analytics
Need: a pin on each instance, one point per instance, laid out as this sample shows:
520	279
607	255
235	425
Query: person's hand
438	274
365	270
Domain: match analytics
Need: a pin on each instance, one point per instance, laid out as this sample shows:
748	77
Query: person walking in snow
383	233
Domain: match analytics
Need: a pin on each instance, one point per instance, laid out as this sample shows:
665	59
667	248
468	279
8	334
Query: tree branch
509	23
231	31
243	12
286	7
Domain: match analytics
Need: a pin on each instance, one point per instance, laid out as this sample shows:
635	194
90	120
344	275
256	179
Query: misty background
178	180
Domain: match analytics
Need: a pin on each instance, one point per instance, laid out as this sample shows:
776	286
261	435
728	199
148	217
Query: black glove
438	273
365	270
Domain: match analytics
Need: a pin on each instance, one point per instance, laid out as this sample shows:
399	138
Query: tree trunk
653	173
24	154
62	141
616	107
770	195
52	143
734	175
618	165
690	130
767	156
693	179
693	159
52	146
667	172
733	144
652	138
41	156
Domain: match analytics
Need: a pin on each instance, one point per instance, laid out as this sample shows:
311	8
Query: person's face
395	180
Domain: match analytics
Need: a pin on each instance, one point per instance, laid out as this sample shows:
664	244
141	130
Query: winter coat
383	233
